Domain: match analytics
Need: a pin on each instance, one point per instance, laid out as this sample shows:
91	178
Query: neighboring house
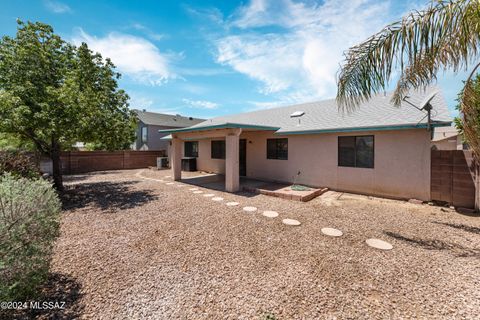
447	138
147	135
377	149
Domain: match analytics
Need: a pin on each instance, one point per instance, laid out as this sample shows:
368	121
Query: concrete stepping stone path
249	209
270	214
332	232
217	199
379	244
170	183
208	195
168	176
232	204
198	191
291	222
193	189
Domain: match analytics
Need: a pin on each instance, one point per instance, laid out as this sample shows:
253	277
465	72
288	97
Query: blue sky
210	58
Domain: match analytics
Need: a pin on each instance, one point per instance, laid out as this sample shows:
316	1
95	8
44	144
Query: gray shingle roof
167	120
325	115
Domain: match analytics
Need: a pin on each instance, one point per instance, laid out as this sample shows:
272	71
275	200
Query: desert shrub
19	164
29	212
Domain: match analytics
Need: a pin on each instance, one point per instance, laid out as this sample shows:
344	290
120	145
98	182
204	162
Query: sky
211	58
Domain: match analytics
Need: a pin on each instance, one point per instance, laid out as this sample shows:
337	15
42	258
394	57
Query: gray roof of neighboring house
324	116
167	120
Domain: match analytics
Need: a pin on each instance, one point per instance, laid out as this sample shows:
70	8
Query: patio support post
232	162
176	158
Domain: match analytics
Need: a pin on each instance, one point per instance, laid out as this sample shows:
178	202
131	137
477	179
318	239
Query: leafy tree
54	94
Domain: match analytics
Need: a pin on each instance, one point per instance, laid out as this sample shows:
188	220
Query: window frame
144	135
193	150
222	150
277	155
355	151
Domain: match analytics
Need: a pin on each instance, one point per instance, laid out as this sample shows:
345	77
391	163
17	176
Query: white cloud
299	54
134	56
200	104
57	7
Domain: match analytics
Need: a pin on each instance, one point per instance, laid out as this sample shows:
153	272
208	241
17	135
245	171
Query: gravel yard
139	249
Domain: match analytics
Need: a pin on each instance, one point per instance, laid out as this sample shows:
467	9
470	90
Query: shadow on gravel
463	227
455	249
105	195
60	290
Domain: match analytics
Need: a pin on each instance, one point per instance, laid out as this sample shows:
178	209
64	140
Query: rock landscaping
140	249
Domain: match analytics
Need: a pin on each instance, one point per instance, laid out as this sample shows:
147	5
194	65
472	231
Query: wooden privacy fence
453	177
86	161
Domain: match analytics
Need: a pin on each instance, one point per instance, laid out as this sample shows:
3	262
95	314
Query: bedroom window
191	149
277	149
218	149
356	151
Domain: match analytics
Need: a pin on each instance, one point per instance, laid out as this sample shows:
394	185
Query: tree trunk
57	168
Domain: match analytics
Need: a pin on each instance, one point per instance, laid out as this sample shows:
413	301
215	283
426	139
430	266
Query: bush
29	213
19	164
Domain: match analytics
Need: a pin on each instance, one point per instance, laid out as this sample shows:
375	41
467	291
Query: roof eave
372	128
220	126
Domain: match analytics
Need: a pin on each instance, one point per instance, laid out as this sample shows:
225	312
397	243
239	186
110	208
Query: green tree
54	94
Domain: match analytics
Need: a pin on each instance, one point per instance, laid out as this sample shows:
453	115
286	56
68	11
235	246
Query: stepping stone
198	191
168	176
180	185
332	232
160	180
270	214
232	204
291	222
170	183
193	189
208	195
217	199
249	209
379	244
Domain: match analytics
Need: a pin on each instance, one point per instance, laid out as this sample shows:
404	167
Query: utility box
162	163
189	164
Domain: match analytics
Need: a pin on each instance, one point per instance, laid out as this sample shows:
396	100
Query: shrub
29	212
19	164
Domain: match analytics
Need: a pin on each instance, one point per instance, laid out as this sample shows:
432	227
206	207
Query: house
377	149
447	138
148	136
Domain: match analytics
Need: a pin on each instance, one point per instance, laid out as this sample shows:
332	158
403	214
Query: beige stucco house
378	149
447	138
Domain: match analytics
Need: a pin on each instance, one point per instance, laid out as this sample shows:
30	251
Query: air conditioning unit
162	163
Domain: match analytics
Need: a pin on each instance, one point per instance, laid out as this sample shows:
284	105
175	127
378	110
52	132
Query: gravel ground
141	249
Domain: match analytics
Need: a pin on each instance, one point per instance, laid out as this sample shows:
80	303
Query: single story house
448	138
148	136
377	149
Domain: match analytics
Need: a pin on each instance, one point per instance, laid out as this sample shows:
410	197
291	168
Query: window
191	149
144	134
356	151
277	149
218	149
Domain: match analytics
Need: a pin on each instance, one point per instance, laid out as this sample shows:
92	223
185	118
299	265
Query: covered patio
230	132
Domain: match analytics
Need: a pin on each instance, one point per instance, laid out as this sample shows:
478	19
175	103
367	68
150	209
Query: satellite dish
425	105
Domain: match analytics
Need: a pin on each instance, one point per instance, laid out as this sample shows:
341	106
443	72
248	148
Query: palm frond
445	35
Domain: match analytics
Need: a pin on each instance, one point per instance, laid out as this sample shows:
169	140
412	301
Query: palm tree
445	36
